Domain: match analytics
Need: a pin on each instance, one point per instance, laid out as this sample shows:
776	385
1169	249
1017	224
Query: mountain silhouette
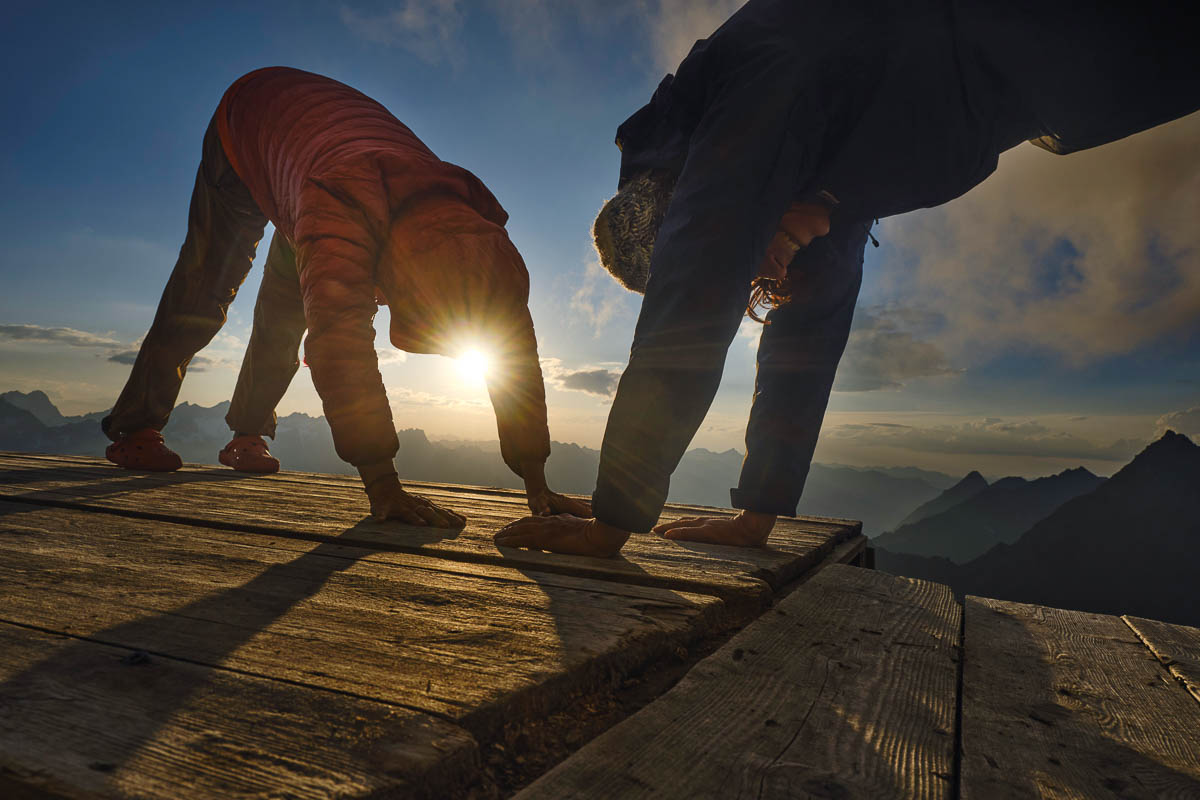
20	429
996	514
38	404
879	497
964	490
1128	547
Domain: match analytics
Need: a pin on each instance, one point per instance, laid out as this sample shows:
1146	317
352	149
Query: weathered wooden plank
845	690
80	720
1176	646
334	506
480	648
1070	704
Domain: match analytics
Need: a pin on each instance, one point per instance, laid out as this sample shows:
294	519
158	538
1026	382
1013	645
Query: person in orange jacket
361	208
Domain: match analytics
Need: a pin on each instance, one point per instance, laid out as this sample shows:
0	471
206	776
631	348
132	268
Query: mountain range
1127	546
972	517
964	490
880	497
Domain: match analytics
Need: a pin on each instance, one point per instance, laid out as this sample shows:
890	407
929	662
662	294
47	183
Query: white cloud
426	28
1186	422
594	380
64	336
599	298
197	364
882	355
750	332
537	29
126	357
675	25
390	355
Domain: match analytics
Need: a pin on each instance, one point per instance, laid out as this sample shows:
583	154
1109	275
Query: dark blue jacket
886	107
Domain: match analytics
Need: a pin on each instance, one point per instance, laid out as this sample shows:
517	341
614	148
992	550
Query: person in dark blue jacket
795	110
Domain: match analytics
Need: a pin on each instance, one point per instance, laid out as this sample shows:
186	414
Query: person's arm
518	396
339	306
798	355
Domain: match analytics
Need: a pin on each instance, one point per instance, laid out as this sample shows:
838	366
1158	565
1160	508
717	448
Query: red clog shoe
143	450
249	454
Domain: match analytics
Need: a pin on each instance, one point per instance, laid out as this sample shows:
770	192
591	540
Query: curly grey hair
627	225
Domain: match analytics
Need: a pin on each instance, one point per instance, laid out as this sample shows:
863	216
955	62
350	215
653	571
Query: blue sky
1049	318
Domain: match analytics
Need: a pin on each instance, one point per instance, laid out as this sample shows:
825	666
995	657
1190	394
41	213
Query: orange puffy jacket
367	206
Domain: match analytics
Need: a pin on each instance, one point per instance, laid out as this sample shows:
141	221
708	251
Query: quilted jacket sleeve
519	396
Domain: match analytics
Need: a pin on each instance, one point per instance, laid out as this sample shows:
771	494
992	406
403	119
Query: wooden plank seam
1167	662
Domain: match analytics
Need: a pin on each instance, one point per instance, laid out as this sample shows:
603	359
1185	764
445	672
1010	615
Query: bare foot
747	529
563	534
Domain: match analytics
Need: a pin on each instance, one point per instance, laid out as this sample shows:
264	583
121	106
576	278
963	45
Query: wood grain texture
1176	646
327	506
845	690
83	720
1067	704
481	645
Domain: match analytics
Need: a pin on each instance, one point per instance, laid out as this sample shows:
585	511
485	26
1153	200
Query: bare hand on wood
390	501
747	529
565	534
544	503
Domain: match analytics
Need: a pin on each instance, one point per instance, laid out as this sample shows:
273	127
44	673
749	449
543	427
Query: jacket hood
451	278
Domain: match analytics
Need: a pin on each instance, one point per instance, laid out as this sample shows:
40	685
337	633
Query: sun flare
473	365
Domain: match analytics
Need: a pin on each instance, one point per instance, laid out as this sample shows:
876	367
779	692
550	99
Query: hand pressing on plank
390	501
747	529
544	502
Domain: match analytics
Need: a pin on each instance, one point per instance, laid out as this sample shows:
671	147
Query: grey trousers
224	228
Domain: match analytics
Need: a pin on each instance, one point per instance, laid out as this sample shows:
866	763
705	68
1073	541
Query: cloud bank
599	297
426	28
1085	256
1186	422
429	29
64	336
881	354
989	437
597	381
675	25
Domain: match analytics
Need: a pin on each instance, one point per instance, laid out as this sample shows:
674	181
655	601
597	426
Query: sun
473	365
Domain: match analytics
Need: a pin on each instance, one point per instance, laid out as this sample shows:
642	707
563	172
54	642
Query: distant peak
1176	438
1170	442
1078	471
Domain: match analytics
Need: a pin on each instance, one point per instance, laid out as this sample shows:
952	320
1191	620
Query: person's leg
224	227
270	363
798	356
272	356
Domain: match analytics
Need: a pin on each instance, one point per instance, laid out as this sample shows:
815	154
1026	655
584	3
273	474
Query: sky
1050	318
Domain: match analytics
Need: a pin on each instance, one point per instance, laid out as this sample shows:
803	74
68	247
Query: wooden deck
209	634
864	685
